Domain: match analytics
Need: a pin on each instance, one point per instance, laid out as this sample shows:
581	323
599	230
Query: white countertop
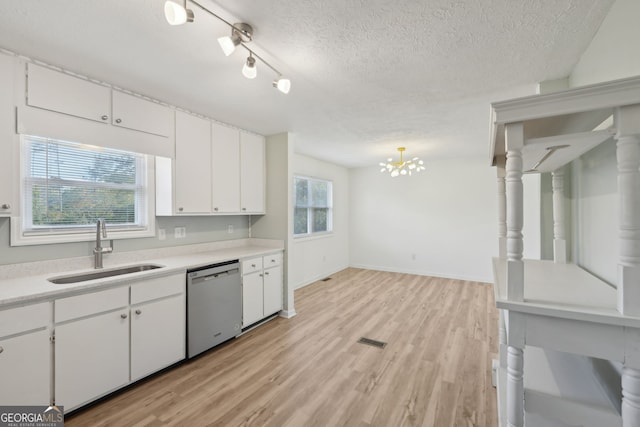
25	283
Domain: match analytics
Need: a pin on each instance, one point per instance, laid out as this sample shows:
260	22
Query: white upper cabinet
133	112
252	173
56	91
7	133
225	169
192	165
63	93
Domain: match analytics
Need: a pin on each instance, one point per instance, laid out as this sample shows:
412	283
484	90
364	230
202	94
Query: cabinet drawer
93	303
251	265
26	318
157	288
272	260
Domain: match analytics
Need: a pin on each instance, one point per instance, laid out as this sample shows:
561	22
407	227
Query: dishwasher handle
213	276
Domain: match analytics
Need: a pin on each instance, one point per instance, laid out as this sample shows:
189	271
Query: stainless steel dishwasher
214	306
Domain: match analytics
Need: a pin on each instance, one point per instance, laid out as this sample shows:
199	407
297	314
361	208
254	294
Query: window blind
68	186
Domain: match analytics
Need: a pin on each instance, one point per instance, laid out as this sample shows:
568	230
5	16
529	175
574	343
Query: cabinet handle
124	316
244	209
273	260
180	209
105	117
138	311
118	120
5	206
261	275
266	273
215	209
1	349
253	265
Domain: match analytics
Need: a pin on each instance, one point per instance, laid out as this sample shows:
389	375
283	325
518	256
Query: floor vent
326	279
374	343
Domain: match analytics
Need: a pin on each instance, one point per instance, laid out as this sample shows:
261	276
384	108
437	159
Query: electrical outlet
180	232
413	257
230	229
162	234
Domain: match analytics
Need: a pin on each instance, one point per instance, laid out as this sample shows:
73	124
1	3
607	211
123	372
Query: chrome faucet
101	228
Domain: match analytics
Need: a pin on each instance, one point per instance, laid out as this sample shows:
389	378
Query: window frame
20	236
313	234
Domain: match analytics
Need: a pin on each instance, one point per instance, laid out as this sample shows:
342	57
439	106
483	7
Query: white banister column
502	208
515	369
630	397
627	122
515	387
559	231
514	137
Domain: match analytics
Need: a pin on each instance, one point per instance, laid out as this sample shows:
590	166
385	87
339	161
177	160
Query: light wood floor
309	370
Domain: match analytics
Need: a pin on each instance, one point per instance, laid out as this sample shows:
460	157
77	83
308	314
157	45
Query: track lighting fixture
241	34
176	14
249	70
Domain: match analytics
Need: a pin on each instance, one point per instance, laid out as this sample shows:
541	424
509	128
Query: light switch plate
180	232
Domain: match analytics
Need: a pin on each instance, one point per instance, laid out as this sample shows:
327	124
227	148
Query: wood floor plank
435	370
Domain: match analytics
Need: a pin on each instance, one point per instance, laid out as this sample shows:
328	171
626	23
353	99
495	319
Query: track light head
177	14
249	70
282	84
229	43
240	33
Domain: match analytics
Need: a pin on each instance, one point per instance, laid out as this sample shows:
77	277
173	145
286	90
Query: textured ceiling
367	75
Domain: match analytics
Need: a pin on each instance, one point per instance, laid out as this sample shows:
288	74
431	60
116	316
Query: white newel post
514	136
630	397
559	234
502	208
627	121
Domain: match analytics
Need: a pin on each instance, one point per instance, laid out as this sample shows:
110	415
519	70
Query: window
312	206
67	187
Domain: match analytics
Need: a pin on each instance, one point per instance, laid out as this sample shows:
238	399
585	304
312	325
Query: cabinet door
25	369
252	173
225	169
157	335
56	91
91	358
133	112
252	298
272	290
7	133
193	164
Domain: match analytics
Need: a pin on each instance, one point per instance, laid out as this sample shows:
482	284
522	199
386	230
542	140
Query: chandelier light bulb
282	84
229	43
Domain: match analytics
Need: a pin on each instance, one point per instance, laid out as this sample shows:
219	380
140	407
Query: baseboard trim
287	314
317	278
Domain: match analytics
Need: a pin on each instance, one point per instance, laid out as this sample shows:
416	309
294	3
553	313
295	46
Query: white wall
315	258
441	222
595	195
613	52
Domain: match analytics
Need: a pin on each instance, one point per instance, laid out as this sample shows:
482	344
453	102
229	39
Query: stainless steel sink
101	274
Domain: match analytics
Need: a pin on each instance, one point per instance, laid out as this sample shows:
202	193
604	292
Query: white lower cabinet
91	346
252	298
158	327
261	288
25	369
25	355
107	339
91	358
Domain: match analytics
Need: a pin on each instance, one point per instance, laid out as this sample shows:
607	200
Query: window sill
316	236
18	239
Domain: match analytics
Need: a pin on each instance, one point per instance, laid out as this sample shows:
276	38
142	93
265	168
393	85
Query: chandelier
401	167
